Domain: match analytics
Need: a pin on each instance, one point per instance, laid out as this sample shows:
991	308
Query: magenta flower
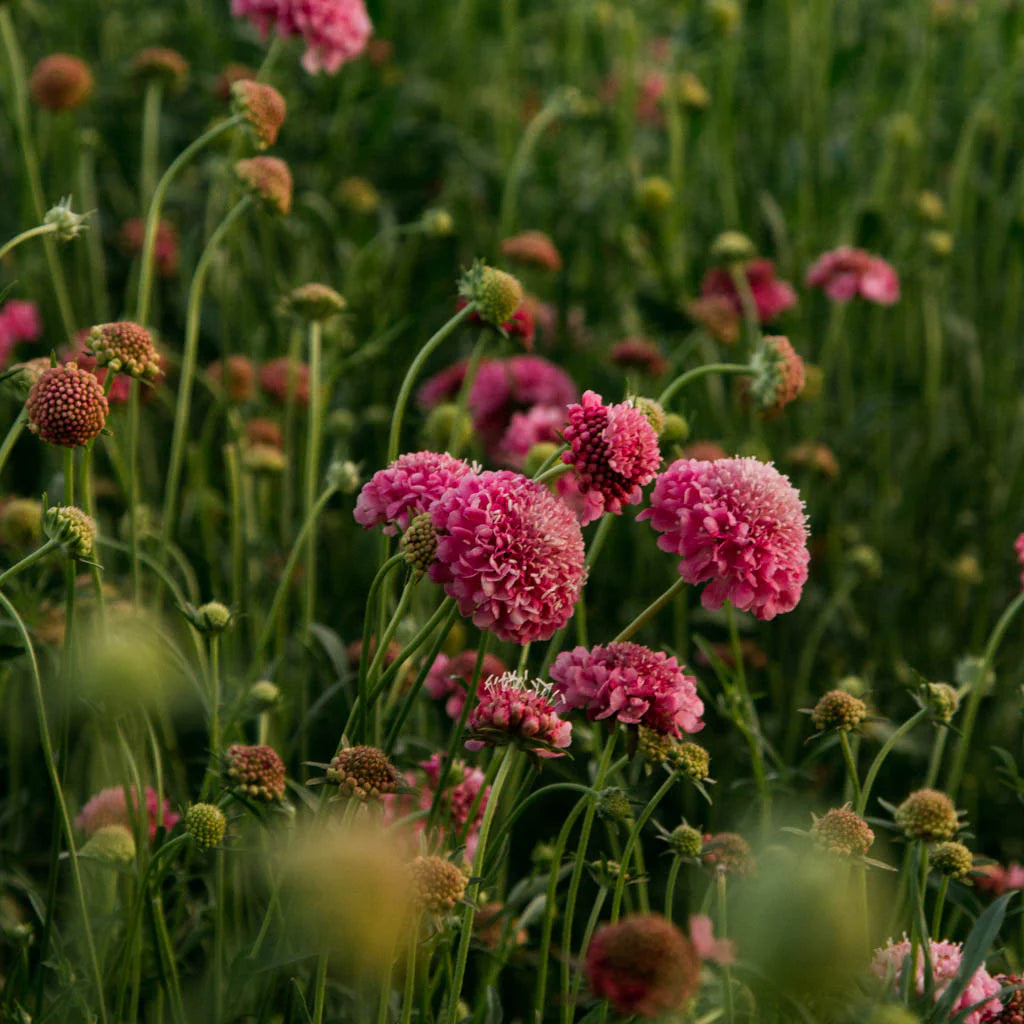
20	321
719	951
511	709
335	31
847	272
449	678
394	496
109	807
510	553
631	683
771	296
996	879
1018	546
738	525
613	450
540	423
945	960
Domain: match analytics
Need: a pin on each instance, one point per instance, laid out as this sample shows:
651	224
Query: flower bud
732	247
269	180
263	108
843	833
437	884
419	542
344	476
257	772
205	824
212	617
124	347
113	844
69	224
497	294
363	772
838	710
686	841
613	805
161	64
952	859
446	424
928	814
60	82
676	430
437	223
264	694
66	406
72	529
314	302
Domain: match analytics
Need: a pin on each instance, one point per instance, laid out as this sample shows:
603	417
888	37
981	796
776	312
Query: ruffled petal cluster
631	683
512	710
945	961
510	553
613	451
335	31
739	525
394	496
449	678
845	273
771	296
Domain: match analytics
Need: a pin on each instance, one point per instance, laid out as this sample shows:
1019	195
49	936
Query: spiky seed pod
363	772
206	824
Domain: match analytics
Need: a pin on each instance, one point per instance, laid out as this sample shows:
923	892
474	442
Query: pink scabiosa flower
631	683
613	451
996	879
644	965
719	951
20	321
449	678
538	425
236	375
66	406
534	248
945	961
510	553
771	296
394	496
512	709
61	81
738	525
845	273
283	376
110	807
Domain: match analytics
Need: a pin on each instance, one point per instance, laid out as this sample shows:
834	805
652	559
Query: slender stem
12	437
218	935
413	372
723	931
28	560
409	992
880	757
851	764
315	425
466	928
651	610
89	507
169	963
188	365
133	485
150	138
41	229
553	473
670	887
31	158
50	757
956	771
320	988
456	435
940	901
156	204
696	373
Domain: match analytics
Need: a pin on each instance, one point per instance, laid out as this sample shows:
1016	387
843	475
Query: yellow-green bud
676	430
686	841
344	475
206	824
264	694
437	223
538	455
655	195
419	542
952	859
212	617
613	804
839	710
691	759
72	528
447	424
314	302
928	814
437	884
496	293
69	224
732	247
114	844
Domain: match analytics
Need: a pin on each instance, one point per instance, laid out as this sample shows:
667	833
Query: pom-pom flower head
928	814
66	406
438	884
258	772
363	772
510	553
110	807
631	683
61	82
613	450
847	272
449	678
644	965
497	294
270	181
838	709
944	958
262	107
739	525
843	833
126	347
394	496
511	709
205	824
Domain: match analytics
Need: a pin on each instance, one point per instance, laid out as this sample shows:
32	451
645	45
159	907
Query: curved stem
956	771
156	205
50	757
696	373
42	229
188	364
473	887
880	757
413	372
28	560
12	437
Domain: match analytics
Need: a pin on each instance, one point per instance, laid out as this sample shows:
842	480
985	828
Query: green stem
42	229
466	925
650	611
188	364
12	437
409	992
723	931
851	764
880	757
133	486
413	372
50	756
696	373
320	988
28	560
940	901
956	771
315	425
156	204
150	138
31	158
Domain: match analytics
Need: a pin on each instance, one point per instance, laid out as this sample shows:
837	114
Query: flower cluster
449	678
125	347
110	807
632	683
437	884
843	833
847	272
770	295
513	710
363	772
738	525
613	451
258	772
19	321
66	406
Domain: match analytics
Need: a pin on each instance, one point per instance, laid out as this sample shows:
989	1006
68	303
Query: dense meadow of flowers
511	512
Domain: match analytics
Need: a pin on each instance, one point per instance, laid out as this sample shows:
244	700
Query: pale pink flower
720	951
771	296
449	678
996	879
511	709
945	960
109	807
540	423
20	318
847	272
510	553
631	683
613	451
394	496
739	525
